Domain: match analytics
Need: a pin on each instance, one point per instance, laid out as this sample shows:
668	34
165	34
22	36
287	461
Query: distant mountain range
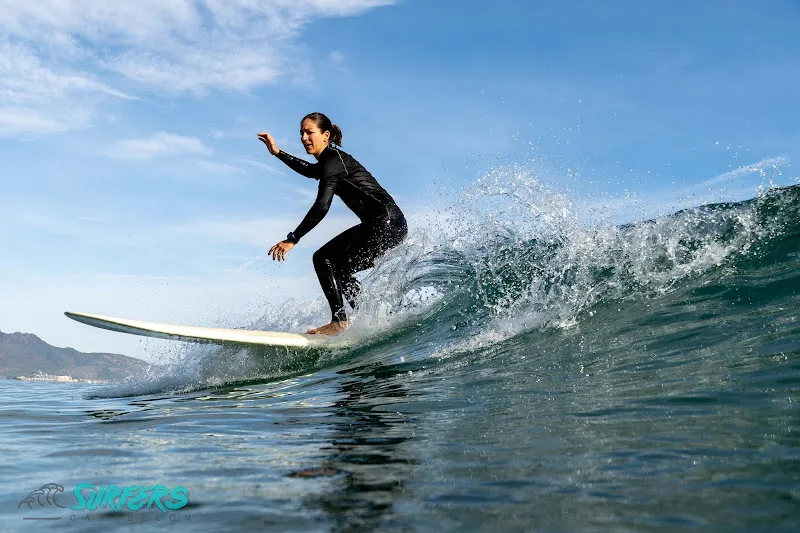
24	354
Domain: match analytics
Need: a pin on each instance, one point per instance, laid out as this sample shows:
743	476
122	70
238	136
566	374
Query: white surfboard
201	334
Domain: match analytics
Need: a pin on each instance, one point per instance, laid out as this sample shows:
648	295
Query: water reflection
368	451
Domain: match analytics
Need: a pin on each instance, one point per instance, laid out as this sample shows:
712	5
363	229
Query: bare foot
332	328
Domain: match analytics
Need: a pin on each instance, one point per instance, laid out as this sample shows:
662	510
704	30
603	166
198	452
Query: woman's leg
330	263
351	288
352	251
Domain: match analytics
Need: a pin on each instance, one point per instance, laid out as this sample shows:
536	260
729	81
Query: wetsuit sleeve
332	172
327	187
300	166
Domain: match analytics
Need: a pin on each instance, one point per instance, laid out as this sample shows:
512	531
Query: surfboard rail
199	334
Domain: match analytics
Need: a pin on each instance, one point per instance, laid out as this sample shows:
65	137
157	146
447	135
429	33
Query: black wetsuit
382	226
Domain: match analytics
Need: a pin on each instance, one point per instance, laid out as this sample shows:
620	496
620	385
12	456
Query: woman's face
312	138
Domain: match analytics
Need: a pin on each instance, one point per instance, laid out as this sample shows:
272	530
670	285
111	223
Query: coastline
58	379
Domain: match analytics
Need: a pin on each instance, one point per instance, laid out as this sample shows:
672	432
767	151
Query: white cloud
739	184
32	95
38	221
336	57
91	218
25	79
263	166
193	71
179	45
160	144
305	195
216	167
763	168
15	121
53	53
255	232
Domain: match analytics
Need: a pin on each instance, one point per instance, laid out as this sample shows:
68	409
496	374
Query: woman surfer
382	226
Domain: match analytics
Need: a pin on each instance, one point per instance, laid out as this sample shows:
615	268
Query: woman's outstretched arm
300	166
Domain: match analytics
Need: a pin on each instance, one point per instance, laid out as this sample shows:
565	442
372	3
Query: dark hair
324	124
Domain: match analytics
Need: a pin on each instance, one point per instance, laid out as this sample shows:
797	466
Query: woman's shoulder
335	152
336	160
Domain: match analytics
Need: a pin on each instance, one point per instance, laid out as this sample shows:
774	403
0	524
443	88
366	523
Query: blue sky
132	183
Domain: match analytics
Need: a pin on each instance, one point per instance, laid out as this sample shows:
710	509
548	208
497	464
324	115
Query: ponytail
336	135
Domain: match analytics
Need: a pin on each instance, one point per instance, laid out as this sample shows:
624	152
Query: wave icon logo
44	496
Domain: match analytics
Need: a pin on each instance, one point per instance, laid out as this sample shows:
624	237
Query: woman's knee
323	258
319	258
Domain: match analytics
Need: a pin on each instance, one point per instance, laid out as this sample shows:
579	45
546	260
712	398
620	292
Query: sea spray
511	257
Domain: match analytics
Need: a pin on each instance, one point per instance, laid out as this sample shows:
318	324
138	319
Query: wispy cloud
737	184
37	221
15	121
32	95
160	144
54	50
178	46
216	167
25	79
263	166
304	194
337	59
763	168
254	232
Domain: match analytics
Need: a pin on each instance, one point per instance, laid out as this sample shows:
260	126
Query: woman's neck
317	156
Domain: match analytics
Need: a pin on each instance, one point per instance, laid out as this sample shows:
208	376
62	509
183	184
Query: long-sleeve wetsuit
382	226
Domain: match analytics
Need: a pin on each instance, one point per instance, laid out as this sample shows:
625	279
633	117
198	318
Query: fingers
269	142
278	251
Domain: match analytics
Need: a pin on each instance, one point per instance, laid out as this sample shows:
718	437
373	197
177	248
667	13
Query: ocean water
527	372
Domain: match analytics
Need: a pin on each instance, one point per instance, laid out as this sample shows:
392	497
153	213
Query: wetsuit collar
324	150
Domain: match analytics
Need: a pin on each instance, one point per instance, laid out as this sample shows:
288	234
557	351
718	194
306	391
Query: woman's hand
279	250
267	139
